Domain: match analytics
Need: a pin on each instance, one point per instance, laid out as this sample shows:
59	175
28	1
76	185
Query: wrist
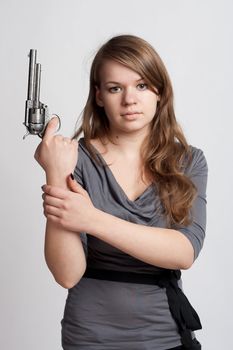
58	181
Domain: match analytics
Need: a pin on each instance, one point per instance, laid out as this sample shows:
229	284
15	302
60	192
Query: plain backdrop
194	39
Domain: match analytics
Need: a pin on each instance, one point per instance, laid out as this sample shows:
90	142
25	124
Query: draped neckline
134	201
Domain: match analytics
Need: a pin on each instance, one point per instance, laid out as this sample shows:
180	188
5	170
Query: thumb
74	186
51	128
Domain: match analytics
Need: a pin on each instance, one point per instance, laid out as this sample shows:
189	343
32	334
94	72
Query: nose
129	97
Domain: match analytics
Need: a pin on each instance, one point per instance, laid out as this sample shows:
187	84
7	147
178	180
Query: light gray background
194	38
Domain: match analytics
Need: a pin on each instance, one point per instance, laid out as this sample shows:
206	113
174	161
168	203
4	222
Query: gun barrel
31	75
37	85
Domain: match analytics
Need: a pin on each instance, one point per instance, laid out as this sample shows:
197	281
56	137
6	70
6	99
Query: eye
142	86
114	89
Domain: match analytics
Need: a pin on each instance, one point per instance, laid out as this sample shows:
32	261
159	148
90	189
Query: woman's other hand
72	209
56	154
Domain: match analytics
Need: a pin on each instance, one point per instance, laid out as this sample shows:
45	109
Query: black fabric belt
182	311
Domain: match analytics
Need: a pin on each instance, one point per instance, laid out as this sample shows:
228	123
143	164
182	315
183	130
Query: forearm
64	253
161	247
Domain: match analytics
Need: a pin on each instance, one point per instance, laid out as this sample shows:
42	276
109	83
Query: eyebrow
115	82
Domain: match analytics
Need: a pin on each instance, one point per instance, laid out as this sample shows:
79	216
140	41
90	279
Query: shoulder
89	152
82	149
198	163
82	152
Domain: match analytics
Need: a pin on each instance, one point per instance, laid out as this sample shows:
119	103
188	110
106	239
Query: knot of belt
182	311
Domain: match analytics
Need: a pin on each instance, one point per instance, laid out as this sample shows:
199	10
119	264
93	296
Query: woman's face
129	103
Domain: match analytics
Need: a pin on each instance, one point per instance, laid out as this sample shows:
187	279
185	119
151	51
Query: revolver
36	112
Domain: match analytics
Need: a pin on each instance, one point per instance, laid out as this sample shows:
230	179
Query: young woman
133	214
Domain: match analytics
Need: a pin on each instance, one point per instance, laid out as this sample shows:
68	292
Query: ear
98	97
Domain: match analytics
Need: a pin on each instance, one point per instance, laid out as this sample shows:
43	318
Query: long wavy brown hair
165	152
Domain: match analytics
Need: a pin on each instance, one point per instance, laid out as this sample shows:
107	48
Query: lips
130	113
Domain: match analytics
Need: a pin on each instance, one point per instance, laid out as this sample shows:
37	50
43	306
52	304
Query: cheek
109	111
110	104
151	105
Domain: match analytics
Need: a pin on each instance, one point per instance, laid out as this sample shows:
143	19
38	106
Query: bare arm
162	247
64	253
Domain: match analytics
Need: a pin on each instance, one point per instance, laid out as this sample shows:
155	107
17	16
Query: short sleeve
78	175
198	173
78	172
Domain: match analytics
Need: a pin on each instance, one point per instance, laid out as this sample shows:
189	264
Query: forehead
116	72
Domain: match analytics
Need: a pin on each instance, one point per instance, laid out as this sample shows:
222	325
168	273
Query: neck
127	144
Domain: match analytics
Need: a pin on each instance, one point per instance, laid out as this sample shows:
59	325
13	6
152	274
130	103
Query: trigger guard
59	119
59	126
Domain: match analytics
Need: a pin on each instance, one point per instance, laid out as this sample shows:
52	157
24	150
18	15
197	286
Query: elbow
187	253
188	262
186	266
69	282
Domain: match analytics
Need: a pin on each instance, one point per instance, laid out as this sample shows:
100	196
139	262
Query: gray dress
112	315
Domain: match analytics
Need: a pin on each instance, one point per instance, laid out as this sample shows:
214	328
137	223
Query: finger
55	202
54	191
50	210
44	211
75	142
51	128
59	137
37	151
53	219
74	186
66	140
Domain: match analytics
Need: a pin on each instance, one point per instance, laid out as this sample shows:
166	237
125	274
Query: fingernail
72	176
